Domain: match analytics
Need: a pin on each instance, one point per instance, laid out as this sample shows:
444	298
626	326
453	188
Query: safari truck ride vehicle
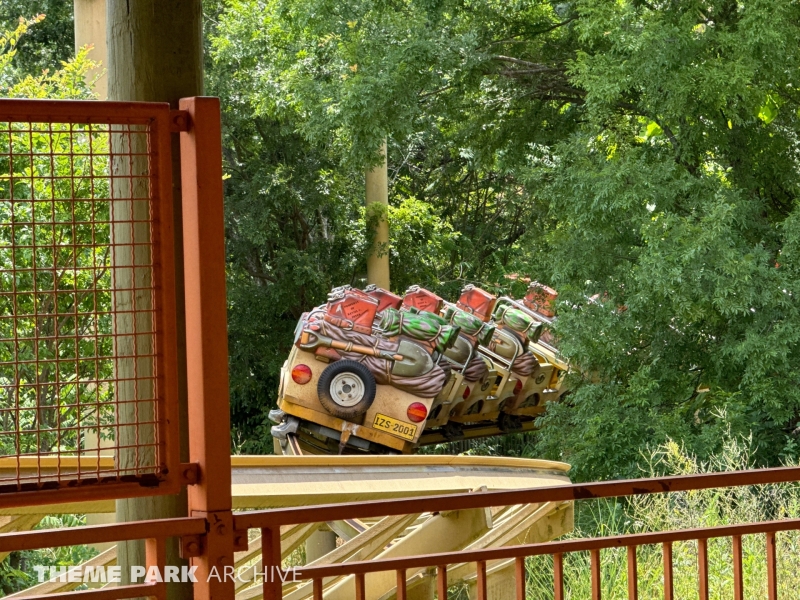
547	385
360	379
476	378
507	353
471	374
524	371
374	372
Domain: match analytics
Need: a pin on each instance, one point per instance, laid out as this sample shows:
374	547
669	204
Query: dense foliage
47	45
676	511
676	202
22	76
57	301
310	93
640	154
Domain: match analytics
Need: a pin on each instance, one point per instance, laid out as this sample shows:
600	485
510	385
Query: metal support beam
207	340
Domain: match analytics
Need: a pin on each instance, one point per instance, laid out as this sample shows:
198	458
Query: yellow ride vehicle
374	372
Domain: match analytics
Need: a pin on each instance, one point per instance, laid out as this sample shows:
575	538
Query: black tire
346	389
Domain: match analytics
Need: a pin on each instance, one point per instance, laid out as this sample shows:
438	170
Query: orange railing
269	522
194	533
90	353
87	296
557	550
154	533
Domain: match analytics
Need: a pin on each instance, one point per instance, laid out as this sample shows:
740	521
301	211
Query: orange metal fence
404	567
155	534
88	323
270	522
198	531
87	296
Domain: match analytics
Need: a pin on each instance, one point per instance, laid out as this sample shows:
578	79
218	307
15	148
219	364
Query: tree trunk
155	53
90	29
377	202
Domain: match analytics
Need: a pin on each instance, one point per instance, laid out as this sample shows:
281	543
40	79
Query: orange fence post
669	588
271	562
594	561
207	342
519	578
772	567
481	580
441	581
738	578
558	576
702	568
156	557
633	577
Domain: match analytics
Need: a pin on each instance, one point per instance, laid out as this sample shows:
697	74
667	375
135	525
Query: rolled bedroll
425	384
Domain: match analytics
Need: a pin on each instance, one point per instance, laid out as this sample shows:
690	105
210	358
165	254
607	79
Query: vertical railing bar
558	576
481	582
594	559
738	579
361	591
207	350
155	552
270	562
702	568
441	581
401	584
669	592
772	567
633	577
317	584
519	577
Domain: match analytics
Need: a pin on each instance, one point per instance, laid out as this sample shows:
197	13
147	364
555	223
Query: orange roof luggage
476	301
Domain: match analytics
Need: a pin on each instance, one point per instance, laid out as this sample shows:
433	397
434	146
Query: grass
662	512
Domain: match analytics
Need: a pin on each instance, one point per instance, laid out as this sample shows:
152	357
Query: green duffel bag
423	326
471	325
519	321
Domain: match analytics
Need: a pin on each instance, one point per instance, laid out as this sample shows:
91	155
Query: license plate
401	429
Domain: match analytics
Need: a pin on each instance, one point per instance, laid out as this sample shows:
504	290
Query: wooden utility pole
377	202
155	53
90	30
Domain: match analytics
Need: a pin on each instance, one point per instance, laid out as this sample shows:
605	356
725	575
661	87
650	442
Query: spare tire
346	389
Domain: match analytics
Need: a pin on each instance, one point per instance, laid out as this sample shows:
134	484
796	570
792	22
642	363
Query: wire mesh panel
86	296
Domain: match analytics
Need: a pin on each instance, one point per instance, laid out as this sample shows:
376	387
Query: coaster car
371	371
363	377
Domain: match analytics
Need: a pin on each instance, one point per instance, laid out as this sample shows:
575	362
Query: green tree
641	155
310	92
293	229
674	205
48	44
46	384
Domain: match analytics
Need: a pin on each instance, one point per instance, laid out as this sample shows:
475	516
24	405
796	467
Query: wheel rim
347	389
